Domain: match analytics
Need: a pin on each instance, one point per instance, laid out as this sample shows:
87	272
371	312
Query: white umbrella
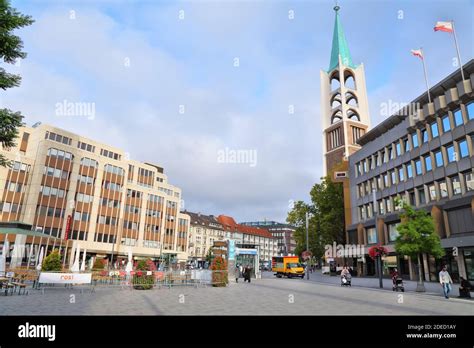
129	266
83	264
3	258
73	254
40	259
75	266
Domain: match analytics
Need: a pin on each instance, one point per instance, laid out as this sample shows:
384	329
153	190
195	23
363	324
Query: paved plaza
267	296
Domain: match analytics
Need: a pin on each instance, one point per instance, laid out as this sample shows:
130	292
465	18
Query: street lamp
307	242
379	257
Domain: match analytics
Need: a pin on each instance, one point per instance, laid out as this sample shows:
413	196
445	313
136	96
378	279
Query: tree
417	235
326	223
52	262
10	51
209	256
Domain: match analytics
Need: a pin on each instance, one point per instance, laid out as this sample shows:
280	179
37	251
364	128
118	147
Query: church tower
344	105
344	110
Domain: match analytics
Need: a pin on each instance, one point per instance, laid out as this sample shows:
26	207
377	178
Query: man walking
445	281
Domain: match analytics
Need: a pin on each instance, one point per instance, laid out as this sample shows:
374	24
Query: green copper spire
339	45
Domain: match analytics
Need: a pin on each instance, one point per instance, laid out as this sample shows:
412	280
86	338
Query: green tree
209	256
10	51
52	262
417	235
326	223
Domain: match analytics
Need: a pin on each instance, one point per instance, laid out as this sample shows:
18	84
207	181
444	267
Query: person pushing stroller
346	276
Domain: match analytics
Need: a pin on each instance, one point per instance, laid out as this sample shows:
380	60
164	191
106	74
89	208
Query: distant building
205	229
282	232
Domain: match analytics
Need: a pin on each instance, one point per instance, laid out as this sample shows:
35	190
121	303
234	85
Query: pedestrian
445	281
237	273
464	288
247	274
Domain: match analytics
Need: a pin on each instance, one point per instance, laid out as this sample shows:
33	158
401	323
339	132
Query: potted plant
219	272
141	280
52	262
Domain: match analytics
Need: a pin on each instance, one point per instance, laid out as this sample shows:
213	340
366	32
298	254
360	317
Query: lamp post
379	257
307	243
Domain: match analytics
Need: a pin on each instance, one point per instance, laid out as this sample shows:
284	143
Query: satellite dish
36	124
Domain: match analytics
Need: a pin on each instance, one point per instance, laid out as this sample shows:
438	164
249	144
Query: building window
381	207
398	147
446	124
400	174
418	167
432	191
456	185
457	118
409	171
379	182
406	144
394	177
428	166
414	140
371	236
390	153
469	179
424	136
434	129
421	195
443	189
452	156
385	180
392	232
470	110
463	150
411	198
438	159
389	205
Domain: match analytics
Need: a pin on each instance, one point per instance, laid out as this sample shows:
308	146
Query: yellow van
287	266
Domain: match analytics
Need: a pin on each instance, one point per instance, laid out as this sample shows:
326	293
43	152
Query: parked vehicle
288	266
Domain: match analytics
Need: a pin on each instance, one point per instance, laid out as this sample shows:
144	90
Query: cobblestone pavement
267	296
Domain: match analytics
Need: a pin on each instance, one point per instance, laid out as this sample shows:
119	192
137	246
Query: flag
444	26
417	53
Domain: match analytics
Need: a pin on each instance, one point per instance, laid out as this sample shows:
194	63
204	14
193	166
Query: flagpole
457	49
426	75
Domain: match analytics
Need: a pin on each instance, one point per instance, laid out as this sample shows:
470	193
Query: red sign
68	227
306	254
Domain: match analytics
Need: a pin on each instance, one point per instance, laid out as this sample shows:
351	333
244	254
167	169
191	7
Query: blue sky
190	62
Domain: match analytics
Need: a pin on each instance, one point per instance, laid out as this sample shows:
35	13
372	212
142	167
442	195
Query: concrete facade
63	184
423	154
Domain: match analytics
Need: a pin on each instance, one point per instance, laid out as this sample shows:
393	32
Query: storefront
468	254
247	255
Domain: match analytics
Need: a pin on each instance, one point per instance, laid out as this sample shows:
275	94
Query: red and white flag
418	53
444	26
